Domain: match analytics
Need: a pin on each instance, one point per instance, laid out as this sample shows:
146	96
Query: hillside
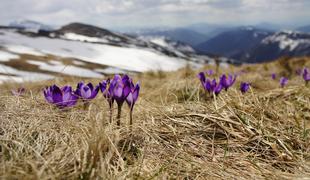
177	133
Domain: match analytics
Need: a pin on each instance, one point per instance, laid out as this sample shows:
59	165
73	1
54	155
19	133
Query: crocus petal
56	94
135	94
208	86
90	85
47	95
71	101
85	92
130	100
126	89
218	89
202	77
103	86
94	92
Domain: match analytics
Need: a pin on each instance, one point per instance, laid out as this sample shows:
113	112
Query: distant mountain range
179	34
252	45
262	42
279	44
233	42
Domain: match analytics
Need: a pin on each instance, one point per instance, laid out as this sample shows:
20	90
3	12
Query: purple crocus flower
86	91
273	76
208	85
283	81
120	88
132	97
244	87
133	94
306	75
227	81
61	97
18	92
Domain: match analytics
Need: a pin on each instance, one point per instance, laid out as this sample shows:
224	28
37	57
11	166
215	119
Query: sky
156	13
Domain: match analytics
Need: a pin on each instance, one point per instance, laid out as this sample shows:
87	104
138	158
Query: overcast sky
152	13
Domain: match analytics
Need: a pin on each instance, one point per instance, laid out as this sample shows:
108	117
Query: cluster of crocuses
284	80
212	86
119	89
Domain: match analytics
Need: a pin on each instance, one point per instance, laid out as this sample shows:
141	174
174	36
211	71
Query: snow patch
21	76
69	70
24	50
286	40
78	37
111	70
6	56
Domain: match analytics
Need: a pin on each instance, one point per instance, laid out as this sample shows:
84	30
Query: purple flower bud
201	76
283	81
18	92
244	87
133	95
61	97
86	91
273	76
227	82
306	75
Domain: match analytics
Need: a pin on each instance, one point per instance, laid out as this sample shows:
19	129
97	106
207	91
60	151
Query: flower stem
119	112
110	111
130	117
85	104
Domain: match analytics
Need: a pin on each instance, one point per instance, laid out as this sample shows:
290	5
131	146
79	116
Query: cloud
117	13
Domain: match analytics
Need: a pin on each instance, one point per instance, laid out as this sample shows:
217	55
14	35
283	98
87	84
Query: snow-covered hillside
86	51
289	40
283	43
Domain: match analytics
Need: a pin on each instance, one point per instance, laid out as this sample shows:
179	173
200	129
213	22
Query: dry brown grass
177	133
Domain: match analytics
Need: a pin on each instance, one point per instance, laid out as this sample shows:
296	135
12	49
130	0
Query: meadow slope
178	133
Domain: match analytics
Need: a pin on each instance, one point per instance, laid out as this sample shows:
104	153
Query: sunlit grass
177	132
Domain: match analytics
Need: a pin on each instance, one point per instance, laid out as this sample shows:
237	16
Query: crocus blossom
227	81
133	94
244	87
208	85
132	97
120	88
306	75
18	92
283	81
61	97
86	91
273	76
